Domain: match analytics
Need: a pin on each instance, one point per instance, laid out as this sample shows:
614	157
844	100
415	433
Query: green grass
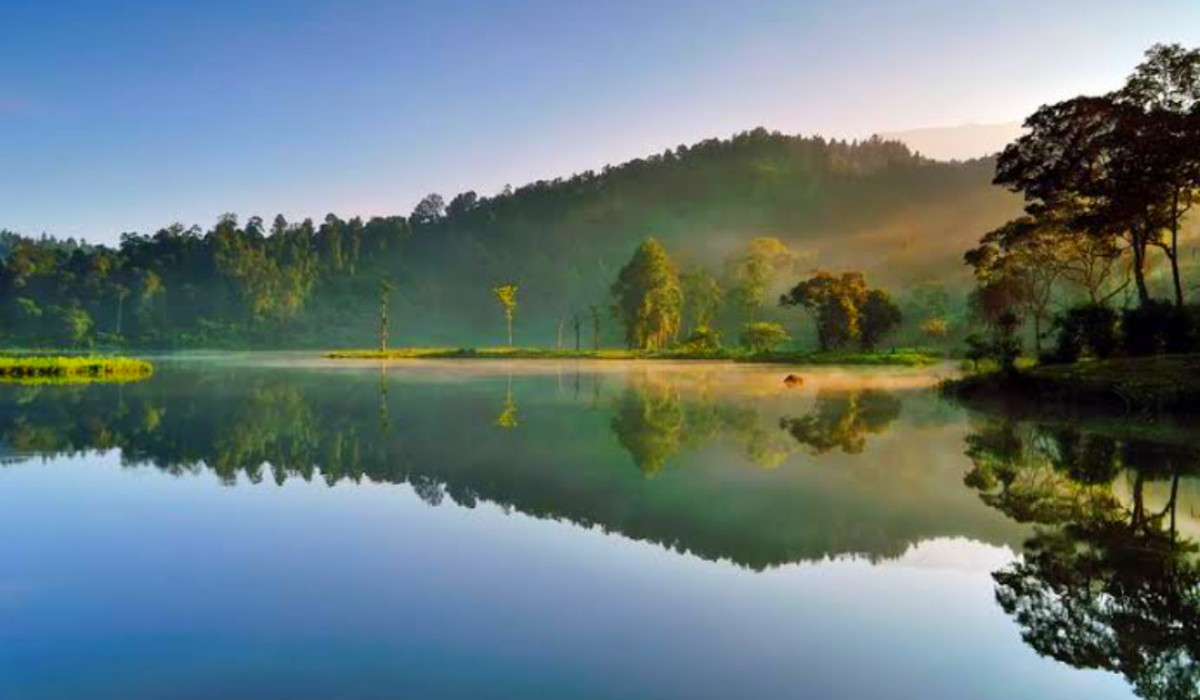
904	357
58	369
1164	383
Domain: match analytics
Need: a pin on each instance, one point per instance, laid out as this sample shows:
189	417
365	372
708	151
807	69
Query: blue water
416	547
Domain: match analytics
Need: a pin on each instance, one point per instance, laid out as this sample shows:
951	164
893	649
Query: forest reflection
654	422
1108	579
737	463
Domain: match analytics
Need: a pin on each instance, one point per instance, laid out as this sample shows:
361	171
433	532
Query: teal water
268	526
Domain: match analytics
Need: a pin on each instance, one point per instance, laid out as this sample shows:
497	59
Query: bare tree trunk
1173	254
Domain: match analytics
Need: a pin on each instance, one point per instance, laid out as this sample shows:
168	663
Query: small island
65	369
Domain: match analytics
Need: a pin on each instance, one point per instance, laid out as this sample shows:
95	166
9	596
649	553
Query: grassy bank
1165	383
67	369
906	358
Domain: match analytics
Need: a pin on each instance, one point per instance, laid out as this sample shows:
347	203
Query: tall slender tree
506	294
385	293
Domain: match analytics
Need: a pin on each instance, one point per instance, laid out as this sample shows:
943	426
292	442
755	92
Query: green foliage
315	283
702	298
879	316
703	340
845	311
1003	346
649	424
753	271
506	294
647	298
842	420
1121	168
1159	327
69	369
1090	329
69	325
762	336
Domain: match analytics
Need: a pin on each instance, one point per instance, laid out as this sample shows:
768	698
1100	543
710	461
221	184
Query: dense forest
873	207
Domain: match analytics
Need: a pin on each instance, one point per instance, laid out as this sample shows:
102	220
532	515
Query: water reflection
747	472
655	423
843	419
1107	579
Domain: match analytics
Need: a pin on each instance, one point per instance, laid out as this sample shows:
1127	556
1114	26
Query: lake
263	526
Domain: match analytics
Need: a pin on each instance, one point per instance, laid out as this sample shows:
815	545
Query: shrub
705	339
1088	329
1003	346
763	336
1159	326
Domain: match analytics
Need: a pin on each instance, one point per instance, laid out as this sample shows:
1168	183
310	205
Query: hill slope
872	206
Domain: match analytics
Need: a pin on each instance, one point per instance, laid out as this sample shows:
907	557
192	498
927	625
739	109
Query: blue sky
120	116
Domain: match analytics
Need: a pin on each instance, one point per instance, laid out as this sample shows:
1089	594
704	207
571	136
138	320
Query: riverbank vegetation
1108	183
69	369
661	317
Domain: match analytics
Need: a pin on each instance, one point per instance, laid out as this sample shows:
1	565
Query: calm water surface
265	527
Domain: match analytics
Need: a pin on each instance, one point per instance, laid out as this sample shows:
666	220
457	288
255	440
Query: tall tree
647	297
506	294
880	316
754	270
1025	257
835	304
1165	90
702	297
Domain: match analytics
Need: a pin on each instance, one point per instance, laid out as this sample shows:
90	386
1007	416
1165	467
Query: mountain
873	206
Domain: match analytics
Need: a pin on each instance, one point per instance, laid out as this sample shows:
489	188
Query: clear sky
120	116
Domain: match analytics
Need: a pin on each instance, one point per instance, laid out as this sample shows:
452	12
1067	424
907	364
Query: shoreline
1161	385
899	358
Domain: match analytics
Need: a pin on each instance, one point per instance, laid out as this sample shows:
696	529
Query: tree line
275	282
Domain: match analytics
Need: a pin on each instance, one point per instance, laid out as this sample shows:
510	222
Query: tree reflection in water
571	459
655	422
843	419
1107	581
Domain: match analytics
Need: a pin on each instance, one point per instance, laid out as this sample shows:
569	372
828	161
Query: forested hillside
872	206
